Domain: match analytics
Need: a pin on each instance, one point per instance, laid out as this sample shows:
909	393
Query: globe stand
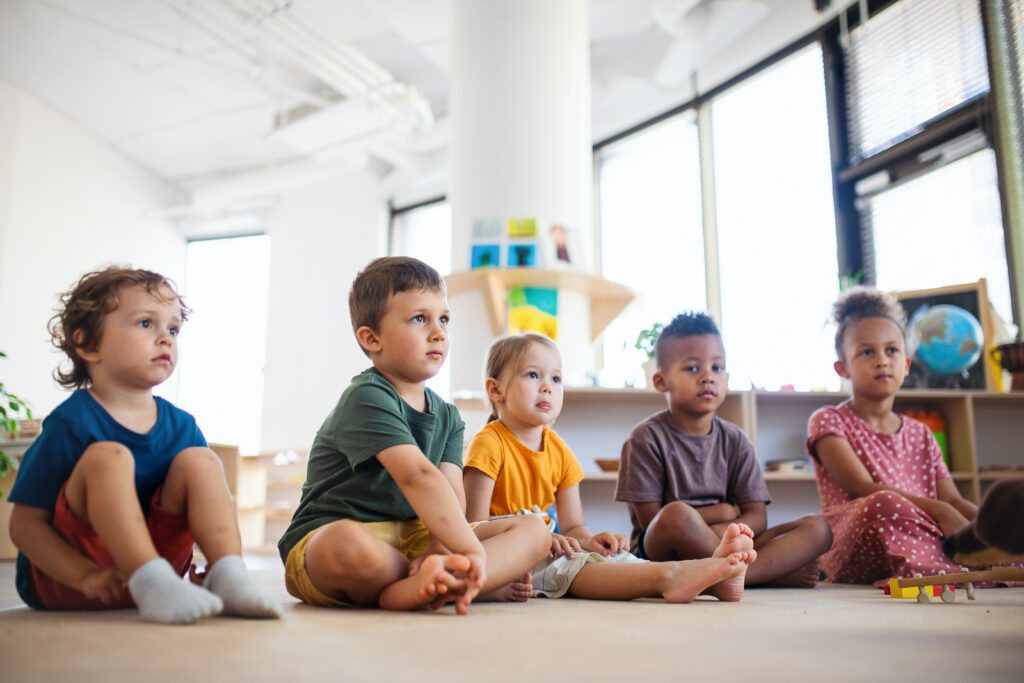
934	380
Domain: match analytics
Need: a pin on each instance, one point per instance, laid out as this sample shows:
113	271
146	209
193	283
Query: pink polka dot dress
881	535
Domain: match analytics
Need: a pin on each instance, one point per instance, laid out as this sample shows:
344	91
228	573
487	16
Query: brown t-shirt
661	463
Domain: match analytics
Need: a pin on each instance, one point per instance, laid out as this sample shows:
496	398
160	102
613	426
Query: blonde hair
859	303
508	353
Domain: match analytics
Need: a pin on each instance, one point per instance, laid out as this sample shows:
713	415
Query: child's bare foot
804	577
436	578
519	590
737	538
685	580
731	589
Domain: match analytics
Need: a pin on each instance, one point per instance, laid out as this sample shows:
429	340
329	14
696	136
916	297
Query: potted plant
645	342
12	409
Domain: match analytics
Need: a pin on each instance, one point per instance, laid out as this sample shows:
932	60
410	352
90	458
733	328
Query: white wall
68	204
321	235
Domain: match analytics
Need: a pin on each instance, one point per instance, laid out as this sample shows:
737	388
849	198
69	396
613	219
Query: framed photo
949	333
485	256
522	255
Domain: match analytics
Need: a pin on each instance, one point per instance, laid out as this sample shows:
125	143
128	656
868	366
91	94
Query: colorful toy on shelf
934	420
933	585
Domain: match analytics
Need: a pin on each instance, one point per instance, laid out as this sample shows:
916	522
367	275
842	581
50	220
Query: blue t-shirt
70	429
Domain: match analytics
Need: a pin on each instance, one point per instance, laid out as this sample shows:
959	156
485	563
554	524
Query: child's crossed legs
347	561
787	553
101	492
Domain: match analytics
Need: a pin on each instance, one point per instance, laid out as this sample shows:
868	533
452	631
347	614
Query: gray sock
229	579
164	597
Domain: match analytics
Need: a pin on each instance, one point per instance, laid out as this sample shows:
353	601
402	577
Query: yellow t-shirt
522	476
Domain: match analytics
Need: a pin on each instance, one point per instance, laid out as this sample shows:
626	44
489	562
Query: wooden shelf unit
607	298
983	428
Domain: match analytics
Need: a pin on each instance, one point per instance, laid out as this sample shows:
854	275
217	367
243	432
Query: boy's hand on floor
104	584
606	543
563	545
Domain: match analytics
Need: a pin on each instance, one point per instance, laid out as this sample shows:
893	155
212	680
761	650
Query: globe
945	339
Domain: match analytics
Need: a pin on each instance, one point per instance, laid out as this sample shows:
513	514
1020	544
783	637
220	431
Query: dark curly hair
78	324
687	324
382	278
859	303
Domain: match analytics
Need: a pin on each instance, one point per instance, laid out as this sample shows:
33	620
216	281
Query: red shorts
170	534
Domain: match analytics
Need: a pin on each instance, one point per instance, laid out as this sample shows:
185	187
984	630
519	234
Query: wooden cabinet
14	449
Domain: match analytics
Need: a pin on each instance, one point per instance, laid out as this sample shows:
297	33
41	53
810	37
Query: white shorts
551	578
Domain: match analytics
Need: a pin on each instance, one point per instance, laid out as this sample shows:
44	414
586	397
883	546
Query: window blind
907	65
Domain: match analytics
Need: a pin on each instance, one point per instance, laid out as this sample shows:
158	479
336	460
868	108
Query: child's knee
819	530
346	548
107	456
536	532
678	518
198	459
886	503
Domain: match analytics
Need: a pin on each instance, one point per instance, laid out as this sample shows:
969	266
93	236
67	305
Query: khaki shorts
411	538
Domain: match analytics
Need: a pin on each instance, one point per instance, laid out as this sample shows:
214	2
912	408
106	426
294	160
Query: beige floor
830	633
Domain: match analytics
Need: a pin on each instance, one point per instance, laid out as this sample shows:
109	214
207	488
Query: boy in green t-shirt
382	516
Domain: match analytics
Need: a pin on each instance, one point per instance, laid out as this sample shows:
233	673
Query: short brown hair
78	324
380	280
508	353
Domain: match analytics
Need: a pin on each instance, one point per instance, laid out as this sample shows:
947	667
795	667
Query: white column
520	147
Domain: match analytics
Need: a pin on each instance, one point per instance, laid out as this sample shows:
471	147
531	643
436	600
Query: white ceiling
191	89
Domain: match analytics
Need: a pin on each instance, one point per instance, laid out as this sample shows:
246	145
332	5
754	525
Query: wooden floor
832	633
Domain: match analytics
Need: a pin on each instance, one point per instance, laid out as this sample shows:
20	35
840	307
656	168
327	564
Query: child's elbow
416	475
20	525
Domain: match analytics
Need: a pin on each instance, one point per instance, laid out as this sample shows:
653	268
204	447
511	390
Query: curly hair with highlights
78	324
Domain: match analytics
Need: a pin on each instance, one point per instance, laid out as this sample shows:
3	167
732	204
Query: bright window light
652	237
426	233
223	344
776	227
943	228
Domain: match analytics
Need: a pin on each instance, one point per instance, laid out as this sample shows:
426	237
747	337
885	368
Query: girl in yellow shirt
516	463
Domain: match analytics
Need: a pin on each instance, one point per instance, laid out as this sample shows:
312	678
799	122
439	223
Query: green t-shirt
344	479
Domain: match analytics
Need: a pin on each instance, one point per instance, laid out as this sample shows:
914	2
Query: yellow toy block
907	593
911	592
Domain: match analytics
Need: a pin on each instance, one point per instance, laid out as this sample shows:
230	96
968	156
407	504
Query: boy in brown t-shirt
686	474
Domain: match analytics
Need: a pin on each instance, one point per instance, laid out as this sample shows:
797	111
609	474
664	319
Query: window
223	344
921	172
909	64
942	228
651	235
776	226
425	232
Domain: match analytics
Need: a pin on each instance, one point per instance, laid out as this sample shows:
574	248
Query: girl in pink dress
884	489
